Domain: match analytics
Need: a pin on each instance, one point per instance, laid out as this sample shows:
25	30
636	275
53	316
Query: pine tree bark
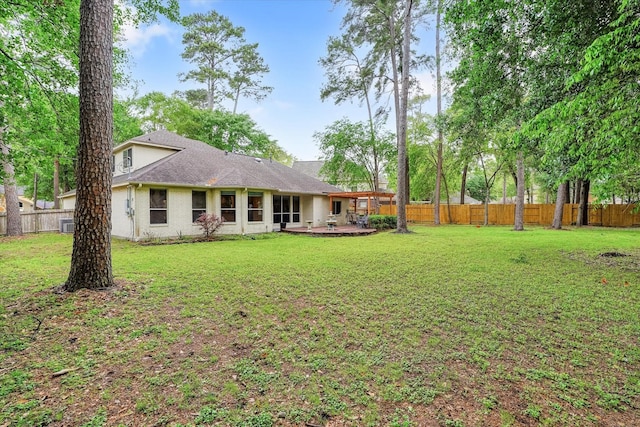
583	204
578	191
14	221
91	256
520	185
56	183
463	185
436	207
560	199
401	91
567	193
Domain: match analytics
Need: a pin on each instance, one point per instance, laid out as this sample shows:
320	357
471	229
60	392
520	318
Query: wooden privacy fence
534	214
36	221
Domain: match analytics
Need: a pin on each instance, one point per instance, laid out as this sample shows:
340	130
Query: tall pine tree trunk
520	184
14	221
401	92
91	256
583	204
463	185
436	211
487	200
567	193
56	183
577	191
560	199
586	188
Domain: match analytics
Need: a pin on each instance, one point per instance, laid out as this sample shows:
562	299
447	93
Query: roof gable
200	165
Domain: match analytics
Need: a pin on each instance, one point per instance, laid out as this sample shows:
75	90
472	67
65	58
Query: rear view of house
162	182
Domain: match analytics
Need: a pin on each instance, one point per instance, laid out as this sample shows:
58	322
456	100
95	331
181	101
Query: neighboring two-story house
163	182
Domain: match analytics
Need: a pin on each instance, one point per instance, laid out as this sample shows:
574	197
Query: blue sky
292	37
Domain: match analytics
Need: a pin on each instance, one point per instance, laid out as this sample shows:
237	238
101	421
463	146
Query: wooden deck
337	231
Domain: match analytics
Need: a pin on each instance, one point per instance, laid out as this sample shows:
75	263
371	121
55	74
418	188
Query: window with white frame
157	206
127	158
228	206
256	208
198	204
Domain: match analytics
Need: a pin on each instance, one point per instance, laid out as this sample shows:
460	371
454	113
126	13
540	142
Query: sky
292	37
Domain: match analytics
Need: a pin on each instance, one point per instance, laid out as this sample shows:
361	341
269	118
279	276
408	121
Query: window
198	204
228	205
255	207
127	158
277	209
286	209
158	206
337	207
296	208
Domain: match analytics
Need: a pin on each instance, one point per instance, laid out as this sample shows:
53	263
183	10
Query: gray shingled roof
309	167
197	164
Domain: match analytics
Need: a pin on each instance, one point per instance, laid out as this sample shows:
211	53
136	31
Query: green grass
445	326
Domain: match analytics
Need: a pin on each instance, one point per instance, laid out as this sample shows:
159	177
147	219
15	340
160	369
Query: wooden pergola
361	195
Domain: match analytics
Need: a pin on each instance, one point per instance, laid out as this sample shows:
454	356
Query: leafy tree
420	136
195	97
514	61
247	77
225	62
350	76
353	156
38	66
384	30
597	119
424	147
221	129
237	133
125	124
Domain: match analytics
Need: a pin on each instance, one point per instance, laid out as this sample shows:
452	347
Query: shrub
383	222
209	223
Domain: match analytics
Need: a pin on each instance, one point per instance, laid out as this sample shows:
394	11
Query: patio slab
336	231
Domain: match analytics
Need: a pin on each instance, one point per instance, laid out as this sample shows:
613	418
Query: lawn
447	326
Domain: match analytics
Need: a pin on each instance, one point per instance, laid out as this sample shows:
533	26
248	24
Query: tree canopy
228	65
237	133
354	158
560	75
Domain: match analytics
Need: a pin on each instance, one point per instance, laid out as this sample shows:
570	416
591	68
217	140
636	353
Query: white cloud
256	111
283	105
136	40
427	83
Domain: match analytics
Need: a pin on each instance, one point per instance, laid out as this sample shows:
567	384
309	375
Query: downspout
244	218
130	210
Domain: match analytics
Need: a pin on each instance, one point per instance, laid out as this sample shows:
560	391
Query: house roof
455	200
309	167
197	164
19	189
